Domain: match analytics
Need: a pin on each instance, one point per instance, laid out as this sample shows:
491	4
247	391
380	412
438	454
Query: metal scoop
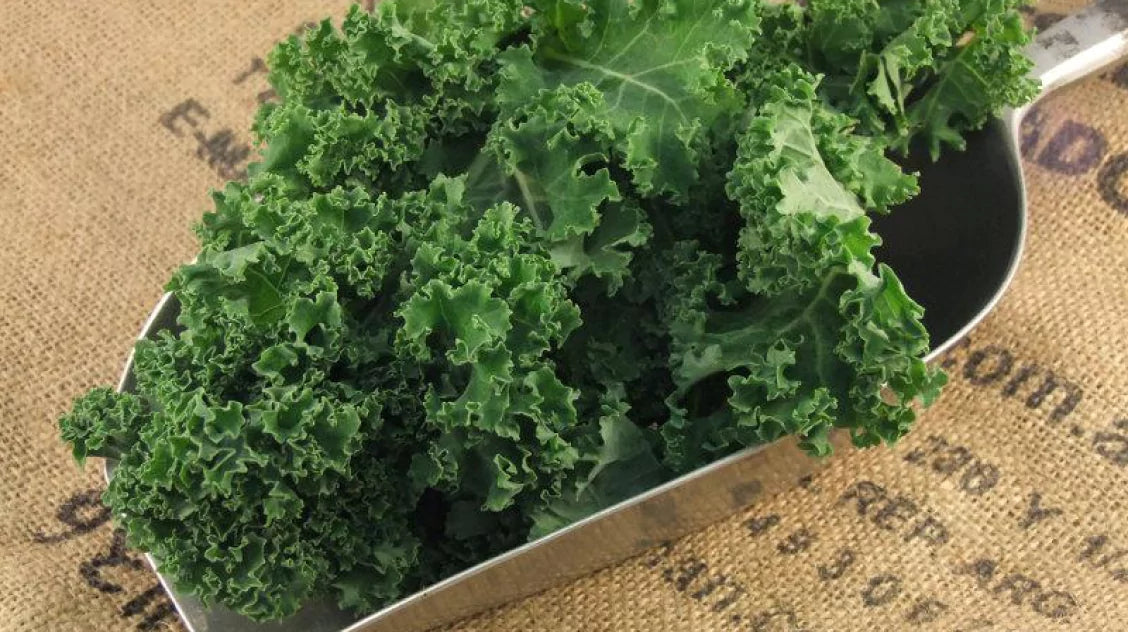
956	248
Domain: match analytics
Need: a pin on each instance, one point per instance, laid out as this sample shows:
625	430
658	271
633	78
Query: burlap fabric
1005	510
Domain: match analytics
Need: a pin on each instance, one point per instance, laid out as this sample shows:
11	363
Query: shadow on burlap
1005	510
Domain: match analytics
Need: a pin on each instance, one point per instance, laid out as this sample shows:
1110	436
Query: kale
504	264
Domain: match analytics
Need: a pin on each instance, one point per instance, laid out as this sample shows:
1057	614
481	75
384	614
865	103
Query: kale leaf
504	264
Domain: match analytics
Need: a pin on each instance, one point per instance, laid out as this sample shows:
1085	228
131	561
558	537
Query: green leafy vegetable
505	264
927	68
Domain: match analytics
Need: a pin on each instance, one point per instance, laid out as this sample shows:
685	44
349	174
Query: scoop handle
1080	44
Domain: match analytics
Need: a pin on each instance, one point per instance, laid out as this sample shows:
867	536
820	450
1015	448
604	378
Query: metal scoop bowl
957	245
956	248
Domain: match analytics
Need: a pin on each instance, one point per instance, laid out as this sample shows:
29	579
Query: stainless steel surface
971	213
956	247
1080	44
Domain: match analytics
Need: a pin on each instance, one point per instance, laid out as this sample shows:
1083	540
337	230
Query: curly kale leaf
660	66
556	151
102	424
395	96
504	264
811	338
986	72
485	312
927	69
339	358
622	464
275	423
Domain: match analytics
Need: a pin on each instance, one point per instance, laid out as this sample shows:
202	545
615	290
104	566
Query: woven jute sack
1004	510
